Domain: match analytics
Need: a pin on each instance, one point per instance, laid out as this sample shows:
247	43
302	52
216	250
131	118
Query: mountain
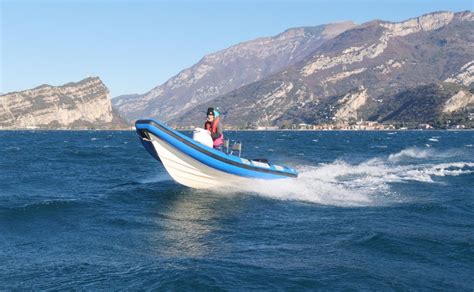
221	72
433	103
76	105
362	74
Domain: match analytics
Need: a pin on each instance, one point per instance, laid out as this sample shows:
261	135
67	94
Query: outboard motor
202	136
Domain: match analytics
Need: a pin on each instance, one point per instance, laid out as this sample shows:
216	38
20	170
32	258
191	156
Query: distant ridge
364	72
226	70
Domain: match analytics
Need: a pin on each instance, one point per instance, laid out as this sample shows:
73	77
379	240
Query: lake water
370	210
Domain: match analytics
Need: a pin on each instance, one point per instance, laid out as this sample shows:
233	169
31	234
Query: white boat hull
190	172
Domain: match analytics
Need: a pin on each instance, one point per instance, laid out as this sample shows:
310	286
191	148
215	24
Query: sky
134	46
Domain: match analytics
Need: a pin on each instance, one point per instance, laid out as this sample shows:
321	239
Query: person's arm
218	132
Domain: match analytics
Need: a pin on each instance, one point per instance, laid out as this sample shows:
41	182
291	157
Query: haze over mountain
221	72
377	71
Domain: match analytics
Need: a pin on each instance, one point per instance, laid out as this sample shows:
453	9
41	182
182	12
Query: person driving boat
214	126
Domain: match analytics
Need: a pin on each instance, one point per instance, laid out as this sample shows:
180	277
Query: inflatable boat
195	165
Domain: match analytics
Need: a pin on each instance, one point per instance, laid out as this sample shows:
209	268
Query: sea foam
368	183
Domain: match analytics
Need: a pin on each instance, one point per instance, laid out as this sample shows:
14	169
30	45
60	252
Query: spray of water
411	153
365	184
160	177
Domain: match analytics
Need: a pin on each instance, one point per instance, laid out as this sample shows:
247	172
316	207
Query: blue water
370	210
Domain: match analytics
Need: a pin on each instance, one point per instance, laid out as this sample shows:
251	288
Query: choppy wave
43	205
411	153
365	184
420	153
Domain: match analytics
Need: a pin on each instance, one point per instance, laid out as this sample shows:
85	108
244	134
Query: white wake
365	184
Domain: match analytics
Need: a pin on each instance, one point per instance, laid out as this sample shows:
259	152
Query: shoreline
239	130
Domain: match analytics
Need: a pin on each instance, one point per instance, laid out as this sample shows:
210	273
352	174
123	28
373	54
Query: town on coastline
466	123
359	126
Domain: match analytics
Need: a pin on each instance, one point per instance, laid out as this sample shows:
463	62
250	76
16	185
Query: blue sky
135	45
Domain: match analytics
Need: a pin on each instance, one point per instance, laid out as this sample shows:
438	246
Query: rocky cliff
362	73
80	105
432	103
221	72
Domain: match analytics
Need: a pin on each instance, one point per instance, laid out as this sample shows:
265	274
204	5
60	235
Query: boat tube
196	165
